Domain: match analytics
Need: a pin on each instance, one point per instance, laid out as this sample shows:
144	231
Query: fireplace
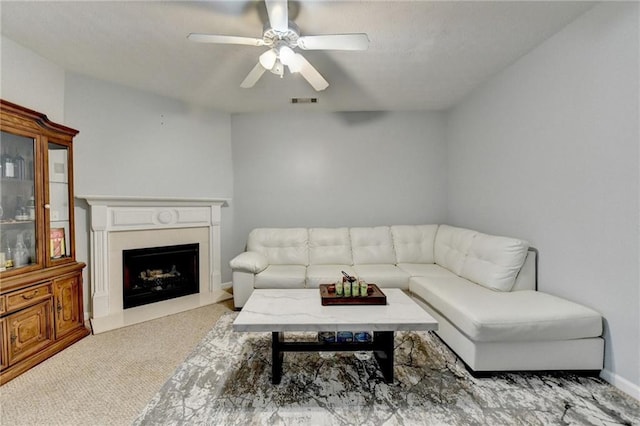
154	274
120	224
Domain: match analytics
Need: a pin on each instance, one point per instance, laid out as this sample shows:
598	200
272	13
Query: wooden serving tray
375	296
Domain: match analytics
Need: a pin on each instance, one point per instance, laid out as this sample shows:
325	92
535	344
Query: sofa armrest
249	261
242	287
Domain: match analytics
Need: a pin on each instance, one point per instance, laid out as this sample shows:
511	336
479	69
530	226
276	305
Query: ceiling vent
304	100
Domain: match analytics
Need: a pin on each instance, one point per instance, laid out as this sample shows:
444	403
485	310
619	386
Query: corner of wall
621	383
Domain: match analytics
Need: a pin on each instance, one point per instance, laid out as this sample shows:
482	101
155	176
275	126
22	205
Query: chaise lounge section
481	288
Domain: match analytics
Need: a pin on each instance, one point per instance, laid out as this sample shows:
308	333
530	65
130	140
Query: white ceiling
422	55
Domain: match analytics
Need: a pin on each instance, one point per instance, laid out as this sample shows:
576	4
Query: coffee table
286	310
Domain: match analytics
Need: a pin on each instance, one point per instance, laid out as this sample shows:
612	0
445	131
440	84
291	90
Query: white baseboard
622	384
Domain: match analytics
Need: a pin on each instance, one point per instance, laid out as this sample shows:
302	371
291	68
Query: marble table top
302	310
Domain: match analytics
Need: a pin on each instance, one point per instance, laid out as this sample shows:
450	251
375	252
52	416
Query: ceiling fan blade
278	14
311	74
223	39
253	76
334	42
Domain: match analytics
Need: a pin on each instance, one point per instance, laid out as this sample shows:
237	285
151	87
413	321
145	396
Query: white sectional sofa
481	288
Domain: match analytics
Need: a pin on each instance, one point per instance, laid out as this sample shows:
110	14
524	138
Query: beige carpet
106	379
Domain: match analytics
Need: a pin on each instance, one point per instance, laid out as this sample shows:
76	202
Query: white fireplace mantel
130	215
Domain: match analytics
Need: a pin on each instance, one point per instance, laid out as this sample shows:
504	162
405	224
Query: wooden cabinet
41	301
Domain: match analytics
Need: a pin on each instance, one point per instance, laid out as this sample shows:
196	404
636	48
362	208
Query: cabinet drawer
28	296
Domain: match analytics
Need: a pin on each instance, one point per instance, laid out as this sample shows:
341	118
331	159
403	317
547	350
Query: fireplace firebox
159	273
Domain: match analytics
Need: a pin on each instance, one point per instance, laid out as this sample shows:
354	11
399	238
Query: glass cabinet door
18	242
59	246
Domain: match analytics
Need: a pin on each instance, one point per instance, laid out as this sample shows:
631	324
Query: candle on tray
364	287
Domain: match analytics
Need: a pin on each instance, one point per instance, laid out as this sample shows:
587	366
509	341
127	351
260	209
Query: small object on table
362	336
347	289
374	296
345	337
348	277
326	336
364	288
339	288
355	290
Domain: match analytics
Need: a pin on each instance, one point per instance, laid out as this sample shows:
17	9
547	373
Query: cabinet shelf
5	222
15	180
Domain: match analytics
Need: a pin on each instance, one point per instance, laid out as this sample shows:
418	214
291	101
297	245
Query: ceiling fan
282	37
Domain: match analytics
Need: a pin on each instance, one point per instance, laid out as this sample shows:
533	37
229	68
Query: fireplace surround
119	224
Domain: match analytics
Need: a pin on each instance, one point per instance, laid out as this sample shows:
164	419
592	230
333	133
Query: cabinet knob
47	206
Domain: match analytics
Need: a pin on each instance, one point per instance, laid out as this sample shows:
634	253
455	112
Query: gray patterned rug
227	381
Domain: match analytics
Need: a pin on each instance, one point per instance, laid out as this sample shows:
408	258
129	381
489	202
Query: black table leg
384	353
276	357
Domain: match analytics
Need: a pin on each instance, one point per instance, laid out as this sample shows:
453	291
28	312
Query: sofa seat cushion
389	276
326	274
491	316
281	276
425	270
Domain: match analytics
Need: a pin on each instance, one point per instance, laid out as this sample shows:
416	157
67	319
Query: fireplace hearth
159	273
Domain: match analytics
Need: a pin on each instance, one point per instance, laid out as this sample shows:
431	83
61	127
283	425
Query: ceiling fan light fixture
278	68
295	64
268	59
287	55
291	59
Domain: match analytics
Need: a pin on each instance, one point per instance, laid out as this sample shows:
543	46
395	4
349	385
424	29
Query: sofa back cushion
330	246
414	244
494	262
451	247
372	246
281	246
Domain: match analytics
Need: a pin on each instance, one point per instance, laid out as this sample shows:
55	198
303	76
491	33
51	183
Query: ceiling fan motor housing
272	38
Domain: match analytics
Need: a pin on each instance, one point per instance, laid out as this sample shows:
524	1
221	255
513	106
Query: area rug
227	381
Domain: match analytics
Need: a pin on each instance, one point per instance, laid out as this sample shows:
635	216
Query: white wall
132	143
31	81
136	143
341	169
548	151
